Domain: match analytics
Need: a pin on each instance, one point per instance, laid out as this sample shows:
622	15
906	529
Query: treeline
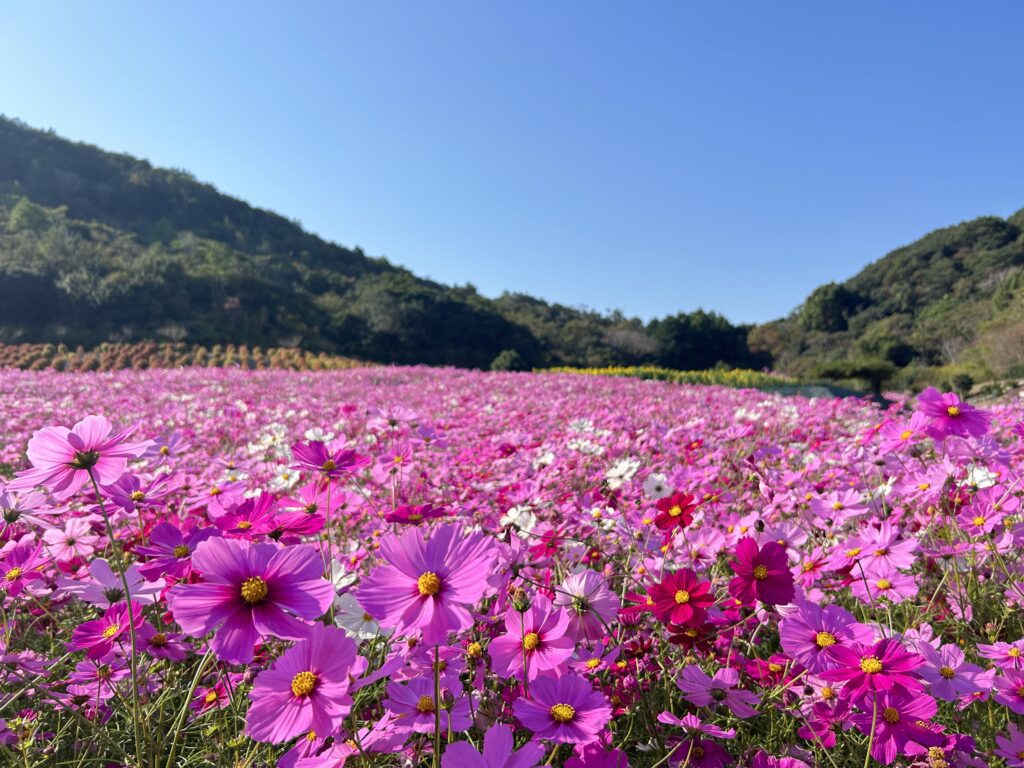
100	248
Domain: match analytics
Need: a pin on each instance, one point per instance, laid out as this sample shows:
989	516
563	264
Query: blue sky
649	156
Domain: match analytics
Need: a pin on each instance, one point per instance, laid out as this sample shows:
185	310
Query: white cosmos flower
621	471
522	517
357	623
656	486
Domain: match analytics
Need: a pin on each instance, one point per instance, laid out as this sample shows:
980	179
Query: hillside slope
97	246
953	299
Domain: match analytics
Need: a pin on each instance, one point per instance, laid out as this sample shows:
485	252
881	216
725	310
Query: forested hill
948	306
96	246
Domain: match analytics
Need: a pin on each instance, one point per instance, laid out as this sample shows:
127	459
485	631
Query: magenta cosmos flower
761	574
317	457
808	635
535	638
305	691
62	459
681	599
565	709
948	415
882	667
703	690
589	602
901	722
1009	690
21	564
99	635
170	550
499	752
414	704
427	584
250	591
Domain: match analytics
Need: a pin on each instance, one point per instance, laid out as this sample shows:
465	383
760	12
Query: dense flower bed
385	567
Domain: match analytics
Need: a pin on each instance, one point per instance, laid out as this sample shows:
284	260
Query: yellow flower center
138	495
890	715
870	665
853	552
425	705
774	667
112	630
531	641
474	650
906	434
824	639
159	640
329	465
761	572
978	520
210	697
303	683
682	597
254	589
14	573
429	584
215	491
947	672
837	505
244	525
883	584
164	450
181	551
827	693
1013	653
675	510
953	410
593	663
563	713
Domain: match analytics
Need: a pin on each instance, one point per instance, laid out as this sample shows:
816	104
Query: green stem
437	706
115	547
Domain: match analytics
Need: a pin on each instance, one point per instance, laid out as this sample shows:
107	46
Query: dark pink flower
877	668
306	689
536	638
99	636
761	574
948	415
170	550
315	456
564	709
498	752
899	719
251	591
427	584
63	458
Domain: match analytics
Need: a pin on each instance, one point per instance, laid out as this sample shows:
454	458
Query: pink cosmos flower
1005	655
1009	690
250	591
428	584
415	515
1011	746
892	586
761	574
97	679
416	707
63	458
99	636
764	760
949	415
681	599
881	667
20	565
316	457
161	645
537	638
808	635
129	492
565	709
170	550
306	689
898	437
76	540
589	602
596	756
900	724
105	587
947	673
250	519
703	690
499	744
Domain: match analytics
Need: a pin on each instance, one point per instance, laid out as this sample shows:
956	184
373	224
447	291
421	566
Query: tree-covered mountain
96	246
950	305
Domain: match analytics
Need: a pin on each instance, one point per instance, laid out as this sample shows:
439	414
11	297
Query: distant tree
508	360
827	309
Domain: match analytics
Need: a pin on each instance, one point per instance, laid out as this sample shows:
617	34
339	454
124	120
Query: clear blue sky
649	156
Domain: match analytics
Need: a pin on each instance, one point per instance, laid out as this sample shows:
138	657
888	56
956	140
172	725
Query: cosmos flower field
422	567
